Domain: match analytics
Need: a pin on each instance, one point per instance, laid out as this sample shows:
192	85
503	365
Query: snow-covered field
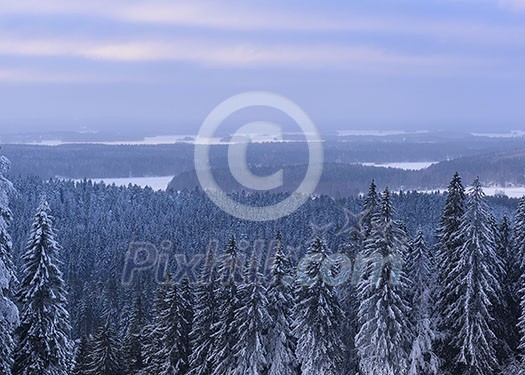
511	134
409	166
156	183
377	133
151	141
511	192
164	140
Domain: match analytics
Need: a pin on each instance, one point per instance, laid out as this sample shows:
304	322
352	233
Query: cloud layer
455	51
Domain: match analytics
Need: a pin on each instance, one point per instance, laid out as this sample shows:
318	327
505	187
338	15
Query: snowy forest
387	283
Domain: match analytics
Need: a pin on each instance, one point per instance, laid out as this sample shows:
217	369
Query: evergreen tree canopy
475	281
420	271
252	315
280	342
8	310
318	317
385	333
43	344
447	259
106	355
133	340
204	318
224	328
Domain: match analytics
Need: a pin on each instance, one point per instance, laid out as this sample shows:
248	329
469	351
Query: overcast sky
398	64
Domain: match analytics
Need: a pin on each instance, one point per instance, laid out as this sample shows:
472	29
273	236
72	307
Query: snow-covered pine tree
348	292
106	353
150	344
318	316
187	300
521	327
113	302
447	259
475	280
224	331
508	312
86	312
43	345
369	210
246	274
204	317
280	341
171	328
385	332
152	333
420	271
504	245
8	310
252	314
517	275
82	360
133	351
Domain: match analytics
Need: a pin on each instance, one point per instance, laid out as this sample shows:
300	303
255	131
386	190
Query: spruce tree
280	342
171	320
385	333
318	316
106	354
8	310
187	301
43	345
250	349
133	340
521	327
475	282
204	317
224	331
420	271
153	333
369	210
508	312
447	259
350	306
517	273
353	249
82	360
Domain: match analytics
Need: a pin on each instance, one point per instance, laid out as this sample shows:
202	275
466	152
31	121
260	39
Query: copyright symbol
238	163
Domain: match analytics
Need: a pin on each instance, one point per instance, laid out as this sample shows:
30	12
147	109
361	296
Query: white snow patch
511	134
511	192
156	183
46	142
377	133
150	141
409	166
163	140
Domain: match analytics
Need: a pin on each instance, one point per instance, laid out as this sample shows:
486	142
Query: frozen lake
511	192
162	182
156	183
165	140
378	133
511	134
149	141
409	166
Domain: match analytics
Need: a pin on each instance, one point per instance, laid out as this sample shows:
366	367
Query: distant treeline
104	161
340	180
